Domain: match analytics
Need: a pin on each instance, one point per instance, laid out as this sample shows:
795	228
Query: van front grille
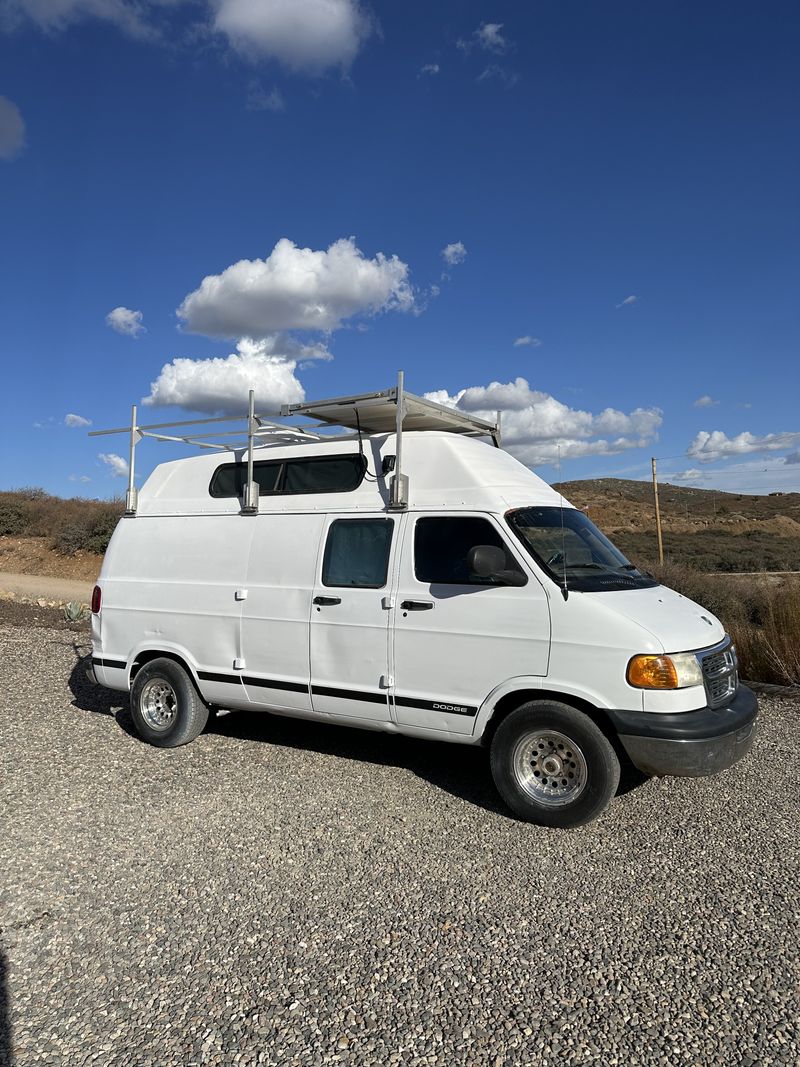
719	673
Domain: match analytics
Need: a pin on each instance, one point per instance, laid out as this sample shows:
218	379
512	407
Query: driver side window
442	545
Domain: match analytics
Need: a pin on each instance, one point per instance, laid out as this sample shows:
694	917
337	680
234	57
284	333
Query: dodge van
407	574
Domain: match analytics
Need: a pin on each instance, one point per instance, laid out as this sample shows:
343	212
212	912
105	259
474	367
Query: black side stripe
348	694
436	705
117	664
276	683
209	676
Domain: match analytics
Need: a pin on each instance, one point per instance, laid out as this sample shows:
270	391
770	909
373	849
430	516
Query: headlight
677	671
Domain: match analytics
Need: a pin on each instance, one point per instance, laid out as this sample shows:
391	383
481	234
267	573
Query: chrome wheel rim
158	704
550	767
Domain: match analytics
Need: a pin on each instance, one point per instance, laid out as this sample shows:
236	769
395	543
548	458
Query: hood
675	622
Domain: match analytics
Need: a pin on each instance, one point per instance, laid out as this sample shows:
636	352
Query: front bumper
689	744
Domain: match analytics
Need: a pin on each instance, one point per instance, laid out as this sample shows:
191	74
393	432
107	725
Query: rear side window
357	553
316	474
441	547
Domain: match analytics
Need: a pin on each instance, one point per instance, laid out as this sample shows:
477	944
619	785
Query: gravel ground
281	893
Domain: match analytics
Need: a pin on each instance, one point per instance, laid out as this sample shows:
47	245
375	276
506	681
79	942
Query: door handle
327	600
417	605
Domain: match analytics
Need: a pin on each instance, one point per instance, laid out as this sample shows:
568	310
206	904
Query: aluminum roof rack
389	410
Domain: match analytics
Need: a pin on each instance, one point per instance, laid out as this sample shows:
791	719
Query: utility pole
658	514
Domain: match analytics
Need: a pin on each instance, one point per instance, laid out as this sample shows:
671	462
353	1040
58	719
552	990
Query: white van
459	598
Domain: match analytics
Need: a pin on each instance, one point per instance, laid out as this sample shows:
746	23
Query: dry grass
760	612
71	525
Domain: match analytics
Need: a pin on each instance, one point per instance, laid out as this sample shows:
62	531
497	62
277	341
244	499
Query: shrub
762	615
71	525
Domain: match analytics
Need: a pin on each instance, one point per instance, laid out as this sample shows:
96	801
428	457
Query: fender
521	683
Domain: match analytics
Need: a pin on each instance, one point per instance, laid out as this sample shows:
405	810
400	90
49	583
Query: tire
552	765
166	708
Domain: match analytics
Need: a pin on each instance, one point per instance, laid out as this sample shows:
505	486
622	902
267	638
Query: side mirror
488	561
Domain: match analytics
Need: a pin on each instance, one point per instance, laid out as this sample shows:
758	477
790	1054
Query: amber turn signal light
652	672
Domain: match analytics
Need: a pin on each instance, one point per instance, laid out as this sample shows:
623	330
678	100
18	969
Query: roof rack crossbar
384	412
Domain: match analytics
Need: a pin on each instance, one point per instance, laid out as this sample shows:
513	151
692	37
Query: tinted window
357	553
441	547
317	474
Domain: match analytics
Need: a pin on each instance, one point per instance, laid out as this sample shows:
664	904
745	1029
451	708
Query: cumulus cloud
123	320
429	68
691	475
12	129
708	447
76	421
527	341
536	426
304	35
454	253
221	385
296	289
627	302
258	99
705	402
56	15
80	477
116	464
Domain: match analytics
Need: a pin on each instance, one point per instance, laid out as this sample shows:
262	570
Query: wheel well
511	701
155	653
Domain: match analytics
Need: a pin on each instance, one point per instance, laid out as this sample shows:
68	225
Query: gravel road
281	893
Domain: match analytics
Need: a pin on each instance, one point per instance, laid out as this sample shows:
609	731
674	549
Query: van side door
457	636
350	613
275	621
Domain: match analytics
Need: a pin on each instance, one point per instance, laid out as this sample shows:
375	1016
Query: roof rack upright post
398	492
132	495
250	506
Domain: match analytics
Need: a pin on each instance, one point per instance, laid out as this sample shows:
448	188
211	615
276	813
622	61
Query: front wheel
552	765
166	708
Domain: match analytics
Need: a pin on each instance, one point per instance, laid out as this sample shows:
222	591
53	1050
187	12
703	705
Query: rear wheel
165	706
552	765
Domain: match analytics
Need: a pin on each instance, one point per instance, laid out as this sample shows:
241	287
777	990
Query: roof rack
384	412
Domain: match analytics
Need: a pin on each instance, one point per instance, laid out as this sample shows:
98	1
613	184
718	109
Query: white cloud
454	253
536	426
627	301
80	477
429	68
76	420
56	15
494	72
116	464
691	475
488	36
12	129
123	320
296	289
221	385
708	447
705	402
304	35
793	457
527	340
258	99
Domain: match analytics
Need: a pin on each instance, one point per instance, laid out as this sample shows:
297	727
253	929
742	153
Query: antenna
564	586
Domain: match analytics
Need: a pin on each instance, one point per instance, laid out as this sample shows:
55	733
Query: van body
486	611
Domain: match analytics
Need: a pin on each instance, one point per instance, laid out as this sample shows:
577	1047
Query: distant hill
707	528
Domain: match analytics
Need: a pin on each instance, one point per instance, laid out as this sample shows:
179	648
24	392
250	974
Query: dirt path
42	586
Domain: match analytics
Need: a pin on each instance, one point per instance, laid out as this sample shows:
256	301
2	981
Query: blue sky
404	184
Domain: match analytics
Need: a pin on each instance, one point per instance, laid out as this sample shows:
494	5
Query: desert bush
71	525
762	615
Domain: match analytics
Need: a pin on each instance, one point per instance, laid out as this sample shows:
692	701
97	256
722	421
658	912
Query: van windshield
570	548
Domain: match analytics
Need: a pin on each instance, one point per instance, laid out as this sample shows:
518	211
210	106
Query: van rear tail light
97	596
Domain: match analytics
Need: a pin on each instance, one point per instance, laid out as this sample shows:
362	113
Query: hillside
706	528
